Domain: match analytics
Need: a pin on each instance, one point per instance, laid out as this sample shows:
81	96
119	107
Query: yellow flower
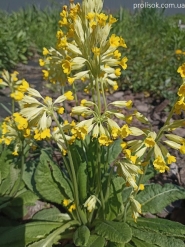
46	74
96	51
69	95
123	145
41	62
66	65
178	52
79	132
71	208
104	140
90	16
62	43
115	86
14	76
66	202
45	133
171	159
122	43
70	80
141	187
102	19
114	40
90	203
42	134
15	153
117	54
114	132
117	72
125	131
135	208
17	95
23	87
60	110
63	22
160	164
21	122
182	148
123	62
45	51
149	142
112	19
181	70
59	34
181	91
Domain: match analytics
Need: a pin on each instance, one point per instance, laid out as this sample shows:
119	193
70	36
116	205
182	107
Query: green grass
152	39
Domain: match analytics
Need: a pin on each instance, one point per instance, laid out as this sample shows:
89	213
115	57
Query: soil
154	109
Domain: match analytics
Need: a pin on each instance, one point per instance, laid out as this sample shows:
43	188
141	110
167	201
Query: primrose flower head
90	203
135	207
39	112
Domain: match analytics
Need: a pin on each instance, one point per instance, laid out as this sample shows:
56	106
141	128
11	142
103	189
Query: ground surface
154	110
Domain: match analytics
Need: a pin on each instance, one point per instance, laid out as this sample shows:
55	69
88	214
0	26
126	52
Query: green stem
125	211
104	98
98	95
80	213
75	94
98	174
15	190
13	106
108	184
92	88
64	103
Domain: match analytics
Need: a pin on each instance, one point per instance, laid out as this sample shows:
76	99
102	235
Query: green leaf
167	227
140	243
157	238
51	183
118	232
51	214
113	206
28	175
112	152
155	197
126	193
81	236
53	237
25	198
96	241
25	234
111	244
5	163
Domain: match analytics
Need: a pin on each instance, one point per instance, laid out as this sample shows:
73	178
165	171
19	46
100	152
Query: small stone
119	95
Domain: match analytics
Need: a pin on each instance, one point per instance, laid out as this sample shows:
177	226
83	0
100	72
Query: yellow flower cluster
39	112
17	87
180	104
83	46
15	129
69	204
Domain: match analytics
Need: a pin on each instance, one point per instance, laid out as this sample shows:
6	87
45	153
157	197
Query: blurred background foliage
156	45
